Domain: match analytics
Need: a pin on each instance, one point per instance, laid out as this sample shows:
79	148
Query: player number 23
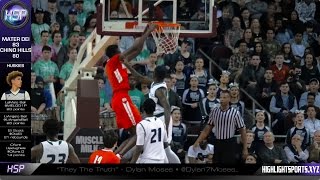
155	132
62	158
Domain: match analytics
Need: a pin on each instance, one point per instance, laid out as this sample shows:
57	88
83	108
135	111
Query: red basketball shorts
127	114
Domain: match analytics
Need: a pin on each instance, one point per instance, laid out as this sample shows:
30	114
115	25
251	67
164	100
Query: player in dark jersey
53	150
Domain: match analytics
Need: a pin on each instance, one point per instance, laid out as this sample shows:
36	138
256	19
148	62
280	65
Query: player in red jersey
127	115
106	155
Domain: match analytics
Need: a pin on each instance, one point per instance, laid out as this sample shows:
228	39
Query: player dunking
106	155
158	93
127	115
151	137
53	150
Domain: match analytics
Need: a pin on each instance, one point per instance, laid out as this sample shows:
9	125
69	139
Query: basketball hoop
166	37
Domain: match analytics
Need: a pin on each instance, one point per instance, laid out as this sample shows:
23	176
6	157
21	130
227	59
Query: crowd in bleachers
270	48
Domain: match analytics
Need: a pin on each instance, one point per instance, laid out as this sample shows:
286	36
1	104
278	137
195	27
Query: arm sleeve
273	107
239	121
26	95
140	134
289	155
3	97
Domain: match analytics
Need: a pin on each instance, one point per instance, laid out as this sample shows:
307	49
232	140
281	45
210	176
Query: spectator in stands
46	93
294	24
251	146
313	88
202	74
90	24
247	37
270	153
238	61
252	75
224	82
311	122
186	56
269	17
211	101
181	78
271	45
280	70
173	97
73	43
46	68
309	36
314	149
282	104
267	88
135	94
251	159
104	102
59	109
309	70
257	32
264	56
295	151
70	23
316	49
38	26
191	99
259	129
81	14
33	79
306	10
53	14
245	18
57	41
67	67
296	84
235	101
36	52
179	133
38	102
234	34
257	8
289	59
283	34
202	154
298	46
300	129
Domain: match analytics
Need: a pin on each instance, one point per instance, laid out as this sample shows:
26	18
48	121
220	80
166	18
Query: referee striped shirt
225	122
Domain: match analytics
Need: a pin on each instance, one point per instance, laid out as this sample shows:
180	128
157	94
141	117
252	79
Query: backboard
130	17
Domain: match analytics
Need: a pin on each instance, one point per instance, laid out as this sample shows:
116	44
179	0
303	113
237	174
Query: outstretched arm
161	95
141	78
137	46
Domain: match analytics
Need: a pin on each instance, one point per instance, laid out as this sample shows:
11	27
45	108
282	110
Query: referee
226	121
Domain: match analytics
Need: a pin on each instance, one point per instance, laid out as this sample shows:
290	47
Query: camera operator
202	154
296	85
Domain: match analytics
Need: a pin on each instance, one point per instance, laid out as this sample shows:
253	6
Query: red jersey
104	156
280	75
117	74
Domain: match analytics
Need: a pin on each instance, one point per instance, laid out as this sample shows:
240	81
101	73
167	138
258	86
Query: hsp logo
15	14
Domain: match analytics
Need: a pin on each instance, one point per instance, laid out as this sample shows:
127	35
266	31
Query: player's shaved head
112	50
160	73
51	127
149	106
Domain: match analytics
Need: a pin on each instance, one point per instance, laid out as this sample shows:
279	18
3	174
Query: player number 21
154	131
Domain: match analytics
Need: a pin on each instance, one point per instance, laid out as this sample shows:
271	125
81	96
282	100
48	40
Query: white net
166	37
